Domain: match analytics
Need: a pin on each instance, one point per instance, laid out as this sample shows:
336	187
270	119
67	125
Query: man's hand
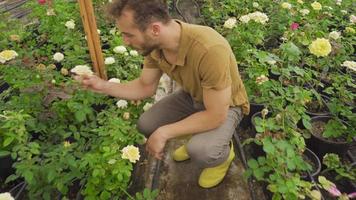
156	142
92	82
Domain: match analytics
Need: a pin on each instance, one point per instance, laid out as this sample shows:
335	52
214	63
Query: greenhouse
177	100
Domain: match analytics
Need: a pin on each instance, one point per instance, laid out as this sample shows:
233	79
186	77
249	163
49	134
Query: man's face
143	42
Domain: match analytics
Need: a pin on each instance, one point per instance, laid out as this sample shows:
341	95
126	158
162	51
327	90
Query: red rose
41	2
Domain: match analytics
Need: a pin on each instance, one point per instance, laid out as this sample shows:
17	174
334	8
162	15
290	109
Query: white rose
133	53
6	196
343	11
82	70
244	19
286	5
304	12
338	2
121	104
58	57
131	153
258	17
271	62
50	12
109	60
112	31
70	24
114	80
261	79
230	23
353	19
7	55
264	112
120	49
147	106
255	4
334	35
99	31
349	64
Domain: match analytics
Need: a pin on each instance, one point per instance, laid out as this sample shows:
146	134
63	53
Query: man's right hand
92	82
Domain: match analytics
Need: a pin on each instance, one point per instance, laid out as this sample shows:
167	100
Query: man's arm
217	105
140	88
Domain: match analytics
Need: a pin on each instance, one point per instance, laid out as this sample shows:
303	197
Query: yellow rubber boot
180	154
211	177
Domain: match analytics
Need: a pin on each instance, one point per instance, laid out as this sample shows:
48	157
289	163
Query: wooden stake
90	28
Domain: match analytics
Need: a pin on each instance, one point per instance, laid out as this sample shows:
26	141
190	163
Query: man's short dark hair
144	11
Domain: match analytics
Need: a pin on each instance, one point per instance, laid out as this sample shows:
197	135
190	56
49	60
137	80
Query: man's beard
147	49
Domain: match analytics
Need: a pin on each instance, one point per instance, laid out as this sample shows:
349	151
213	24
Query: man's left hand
156	142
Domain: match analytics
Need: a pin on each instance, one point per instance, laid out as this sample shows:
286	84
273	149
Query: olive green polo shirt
205	60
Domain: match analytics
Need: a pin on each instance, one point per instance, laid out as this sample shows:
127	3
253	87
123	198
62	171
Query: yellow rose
349	30
131	153
66	144
316	5
14	38
126	115
286	5
300	1
320	47
41	66
7	55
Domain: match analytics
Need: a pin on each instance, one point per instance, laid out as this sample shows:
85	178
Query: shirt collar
184	44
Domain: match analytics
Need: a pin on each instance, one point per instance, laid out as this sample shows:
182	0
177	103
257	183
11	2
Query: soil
318	128
315	107
311	163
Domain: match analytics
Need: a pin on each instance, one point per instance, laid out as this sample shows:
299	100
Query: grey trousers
206	149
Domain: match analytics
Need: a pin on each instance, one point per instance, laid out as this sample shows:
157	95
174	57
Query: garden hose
244	162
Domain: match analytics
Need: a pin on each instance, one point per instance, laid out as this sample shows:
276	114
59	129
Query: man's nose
126	41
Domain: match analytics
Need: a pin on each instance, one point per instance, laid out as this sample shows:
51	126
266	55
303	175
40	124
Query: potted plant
330	135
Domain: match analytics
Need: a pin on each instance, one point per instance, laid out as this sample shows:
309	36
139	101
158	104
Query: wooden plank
93	40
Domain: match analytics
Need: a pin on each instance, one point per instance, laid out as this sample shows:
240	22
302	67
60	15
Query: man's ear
155	28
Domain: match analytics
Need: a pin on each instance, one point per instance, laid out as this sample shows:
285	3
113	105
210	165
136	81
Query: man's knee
206	155
146	125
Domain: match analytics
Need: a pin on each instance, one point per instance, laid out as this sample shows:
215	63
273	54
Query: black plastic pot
254	108
3	87
6	166
321	145
327	113
313	158
18	191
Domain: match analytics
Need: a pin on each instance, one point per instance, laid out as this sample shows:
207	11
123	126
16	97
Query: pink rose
294	26
352	195
41	2
334	191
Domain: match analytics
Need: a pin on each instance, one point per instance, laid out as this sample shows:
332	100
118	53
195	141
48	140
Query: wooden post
90	28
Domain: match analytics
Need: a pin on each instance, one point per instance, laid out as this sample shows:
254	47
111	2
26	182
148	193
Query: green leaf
268	147
105	195
51	174
79	116
4	153
8	141
252	163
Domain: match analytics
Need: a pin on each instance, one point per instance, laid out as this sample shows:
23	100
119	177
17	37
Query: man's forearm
195	123
132	90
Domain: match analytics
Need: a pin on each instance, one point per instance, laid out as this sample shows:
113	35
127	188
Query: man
212	100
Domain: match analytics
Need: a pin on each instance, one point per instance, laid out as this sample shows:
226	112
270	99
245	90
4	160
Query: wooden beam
90	28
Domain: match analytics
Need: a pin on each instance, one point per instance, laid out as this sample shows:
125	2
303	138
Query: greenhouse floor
179	180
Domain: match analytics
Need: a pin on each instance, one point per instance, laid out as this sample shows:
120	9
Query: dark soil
315	107
318	128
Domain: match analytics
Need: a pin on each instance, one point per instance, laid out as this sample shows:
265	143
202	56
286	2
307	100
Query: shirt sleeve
214	68
150	63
